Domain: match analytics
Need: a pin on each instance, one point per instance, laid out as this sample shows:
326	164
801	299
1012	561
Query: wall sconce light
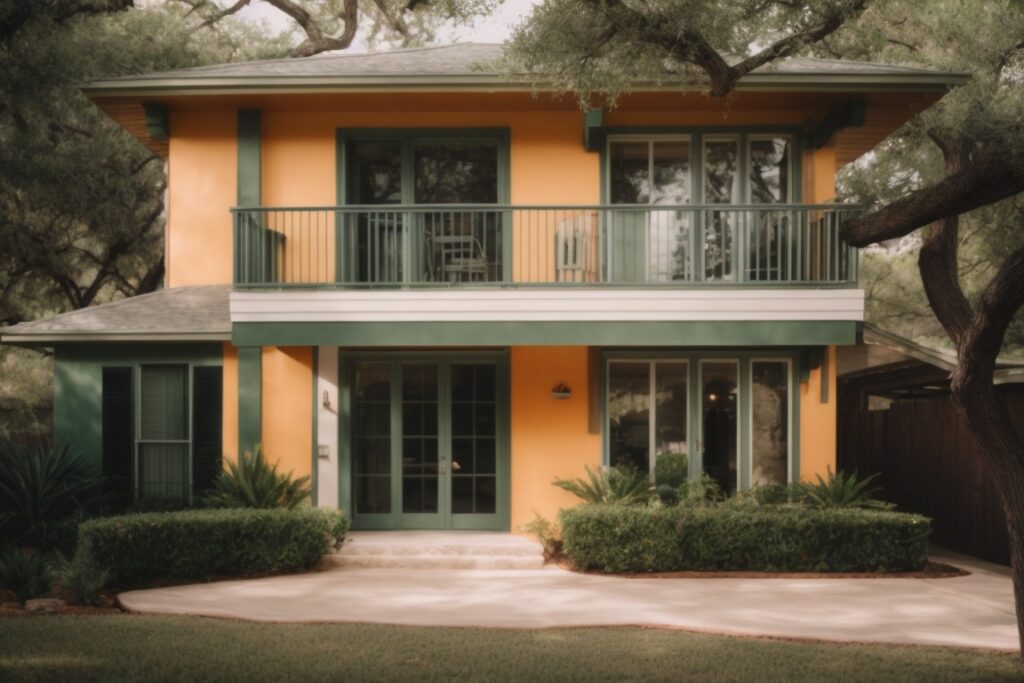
561	391
327	400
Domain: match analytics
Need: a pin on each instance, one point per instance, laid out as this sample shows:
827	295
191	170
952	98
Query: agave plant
612	486
252	482
842	490
41	485
27	575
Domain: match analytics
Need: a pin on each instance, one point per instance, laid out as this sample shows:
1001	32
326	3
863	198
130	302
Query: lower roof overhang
547	333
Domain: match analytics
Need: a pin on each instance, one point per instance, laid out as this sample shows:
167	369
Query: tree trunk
1003	448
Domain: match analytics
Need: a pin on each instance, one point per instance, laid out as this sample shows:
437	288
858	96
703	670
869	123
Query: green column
249	397
249	157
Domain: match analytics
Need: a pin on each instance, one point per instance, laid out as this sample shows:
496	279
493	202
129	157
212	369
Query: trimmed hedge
778	538
203	544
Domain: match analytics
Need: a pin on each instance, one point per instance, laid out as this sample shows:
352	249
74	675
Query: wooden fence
929	463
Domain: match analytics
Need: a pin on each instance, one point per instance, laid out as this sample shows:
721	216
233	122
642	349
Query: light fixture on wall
561	391
327	400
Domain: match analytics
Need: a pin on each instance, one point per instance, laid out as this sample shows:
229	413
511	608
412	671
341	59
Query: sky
491	29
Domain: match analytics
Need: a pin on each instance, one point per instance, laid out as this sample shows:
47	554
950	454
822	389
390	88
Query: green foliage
842	490
83	577
547	533
42	486
781	538
703	491
767	494
670	469
27	575
668	495
614	486
197	545
253	482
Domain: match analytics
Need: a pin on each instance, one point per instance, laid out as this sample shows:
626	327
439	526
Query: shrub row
782	538
203	544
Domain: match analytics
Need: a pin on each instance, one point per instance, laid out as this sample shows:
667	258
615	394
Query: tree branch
937	262
990	175
316	42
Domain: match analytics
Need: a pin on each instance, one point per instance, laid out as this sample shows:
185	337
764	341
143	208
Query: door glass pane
462	246
629	396
721	186
377	179
668	231
769	170
719	398
770	438
371	438
670	408
474	438
770	236
163	432
420	482
629	172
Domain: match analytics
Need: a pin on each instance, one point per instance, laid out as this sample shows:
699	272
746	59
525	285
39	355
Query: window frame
697	137
744	424
137	422
652	409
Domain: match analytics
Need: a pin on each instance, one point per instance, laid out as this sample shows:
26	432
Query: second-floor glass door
460	241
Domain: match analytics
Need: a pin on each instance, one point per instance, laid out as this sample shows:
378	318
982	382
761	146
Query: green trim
811	359
314	469
500	334
444	519
250	362
824	375
693	358
249	157
158	121
593	134
850	114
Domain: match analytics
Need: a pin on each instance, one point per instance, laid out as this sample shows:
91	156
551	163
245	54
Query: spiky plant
252	482
27	575
843	490
611	486
41	485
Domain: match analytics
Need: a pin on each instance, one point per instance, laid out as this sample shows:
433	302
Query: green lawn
152	648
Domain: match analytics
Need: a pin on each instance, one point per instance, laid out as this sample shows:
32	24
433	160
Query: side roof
469	65
179	314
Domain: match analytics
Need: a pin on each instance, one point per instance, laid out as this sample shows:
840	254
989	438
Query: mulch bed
932	570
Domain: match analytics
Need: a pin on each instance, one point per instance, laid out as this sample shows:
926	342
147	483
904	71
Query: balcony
489	246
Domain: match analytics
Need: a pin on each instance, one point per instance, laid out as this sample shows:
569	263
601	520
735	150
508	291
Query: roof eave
49	339
154	87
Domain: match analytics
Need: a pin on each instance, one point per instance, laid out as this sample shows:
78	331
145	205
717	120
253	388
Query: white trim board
544	305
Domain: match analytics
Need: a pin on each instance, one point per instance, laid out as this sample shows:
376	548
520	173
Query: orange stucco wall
550	437
229	425
818	422
201	189
287	408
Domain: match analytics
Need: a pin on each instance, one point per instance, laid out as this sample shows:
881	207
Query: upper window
733	168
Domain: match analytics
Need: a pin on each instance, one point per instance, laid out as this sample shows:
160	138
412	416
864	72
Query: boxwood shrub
778	538
203	544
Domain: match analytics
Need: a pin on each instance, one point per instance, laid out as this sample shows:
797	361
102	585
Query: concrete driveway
970	611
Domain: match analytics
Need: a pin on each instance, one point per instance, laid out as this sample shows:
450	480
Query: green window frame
163	425
744	438
697	137
140	440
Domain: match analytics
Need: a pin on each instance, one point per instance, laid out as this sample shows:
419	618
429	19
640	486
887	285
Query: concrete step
437	550
340	559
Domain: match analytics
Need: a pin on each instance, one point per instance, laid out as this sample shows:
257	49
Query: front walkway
970	611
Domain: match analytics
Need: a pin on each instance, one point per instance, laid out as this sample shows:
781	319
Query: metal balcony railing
501	245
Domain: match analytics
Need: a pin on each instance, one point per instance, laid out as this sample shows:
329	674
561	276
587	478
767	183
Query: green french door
428	442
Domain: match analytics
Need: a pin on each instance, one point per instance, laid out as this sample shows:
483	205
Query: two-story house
435	290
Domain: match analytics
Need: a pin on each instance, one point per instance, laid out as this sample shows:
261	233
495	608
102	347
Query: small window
162	430
162	455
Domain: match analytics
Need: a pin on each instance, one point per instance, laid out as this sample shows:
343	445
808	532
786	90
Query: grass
158	648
